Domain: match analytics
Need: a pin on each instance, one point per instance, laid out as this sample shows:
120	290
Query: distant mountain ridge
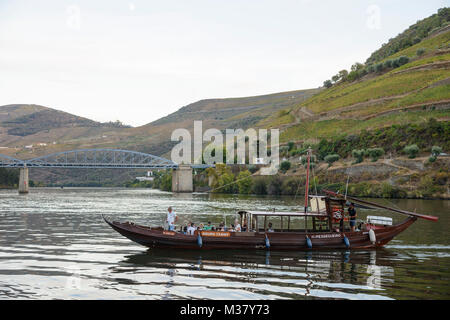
23	120
26	125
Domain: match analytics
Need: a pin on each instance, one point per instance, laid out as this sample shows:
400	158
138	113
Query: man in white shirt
171	218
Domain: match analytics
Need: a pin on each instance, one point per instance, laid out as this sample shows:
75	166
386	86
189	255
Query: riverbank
391	178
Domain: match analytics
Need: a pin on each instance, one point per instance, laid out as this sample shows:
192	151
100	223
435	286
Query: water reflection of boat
381	257
323	228
370	269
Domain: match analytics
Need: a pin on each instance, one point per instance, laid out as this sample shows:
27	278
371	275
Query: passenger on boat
244	227
209	226
270	227
171	219
221	227
352	214
201	227
238	226
232	228
191	229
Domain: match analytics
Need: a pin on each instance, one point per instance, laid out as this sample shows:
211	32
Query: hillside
411	36
49	130
378	95
242	112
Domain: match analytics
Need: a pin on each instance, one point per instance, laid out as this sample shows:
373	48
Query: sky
138	61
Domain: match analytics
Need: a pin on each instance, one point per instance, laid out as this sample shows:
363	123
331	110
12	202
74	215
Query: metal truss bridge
94	158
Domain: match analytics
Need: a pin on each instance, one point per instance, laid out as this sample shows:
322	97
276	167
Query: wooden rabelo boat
325	226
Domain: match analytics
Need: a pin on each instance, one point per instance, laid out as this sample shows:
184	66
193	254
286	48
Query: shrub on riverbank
244	182
9	178
139	184
163	180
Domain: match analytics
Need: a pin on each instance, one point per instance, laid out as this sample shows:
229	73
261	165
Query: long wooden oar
409	213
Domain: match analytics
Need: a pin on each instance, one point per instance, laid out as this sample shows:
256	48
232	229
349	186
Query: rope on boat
235	181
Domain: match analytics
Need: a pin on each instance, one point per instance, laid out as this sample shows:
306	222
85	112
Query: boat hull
159	238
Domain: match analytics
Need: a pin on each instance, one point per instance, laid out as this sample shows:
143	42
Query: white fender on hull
372	236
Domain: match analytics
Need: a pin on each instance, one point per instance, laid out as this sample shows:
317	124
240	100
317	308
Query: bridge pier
182	179
23	181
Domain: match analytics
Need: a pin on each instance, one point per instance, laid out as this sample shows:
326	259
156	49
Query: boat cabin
325	214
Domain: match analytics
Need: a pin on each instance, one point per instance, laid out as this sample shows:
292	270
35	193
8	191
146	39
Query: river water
55	245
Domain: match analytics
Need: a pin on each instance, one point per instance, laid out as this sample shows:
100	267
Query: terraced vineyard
410	93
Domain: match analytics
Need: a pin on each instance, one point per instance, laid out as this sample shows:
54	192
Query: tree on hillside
420	51
285	166
375	153
358	154
291	145
331	158
436	150
388	64
379	67
412	150
327	84
357	66
403	60
343	75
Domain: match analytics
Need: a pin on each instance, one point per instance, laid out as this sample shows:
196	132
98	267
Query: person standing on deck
352	214
171	219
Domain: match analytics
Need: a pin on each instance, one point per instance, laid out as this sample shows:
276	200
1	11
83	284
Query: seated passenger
201	227
232	228
270	227
209	226
238	226
191	229
221	226
244	227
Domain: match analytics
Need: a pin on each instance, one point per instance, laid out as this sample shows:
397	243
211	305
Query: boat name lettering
321	236
215	234
169	233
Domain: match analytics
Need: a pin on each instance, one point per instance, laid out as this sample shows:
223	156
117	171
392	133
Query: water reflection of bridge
103	158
